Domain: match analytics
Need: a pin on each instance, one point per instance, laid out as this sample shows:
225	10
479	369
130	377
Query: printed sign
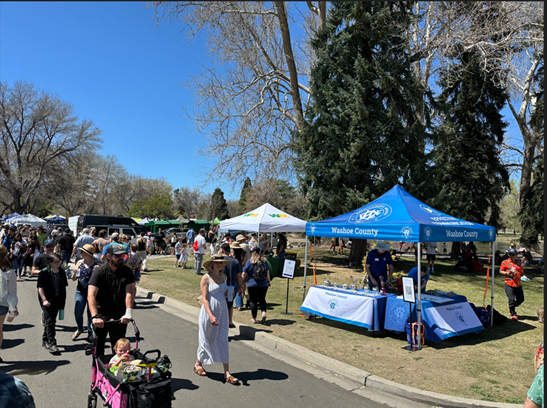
408	290
288	269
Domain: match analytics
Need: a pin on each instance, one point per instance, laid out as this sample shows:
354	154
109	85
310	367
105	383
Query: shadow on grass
279	322
499	332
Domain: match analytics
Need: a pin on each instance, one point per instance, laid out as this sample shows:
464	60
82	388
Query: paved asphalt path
64	380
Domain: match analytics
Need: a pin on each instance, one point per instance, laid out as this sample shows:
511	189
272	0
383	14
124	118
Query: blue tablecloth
359	309
441	321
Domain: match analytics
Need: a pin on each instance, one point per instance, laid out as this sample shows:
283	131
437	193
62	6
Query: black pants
258	298
115	332
515	296
50	316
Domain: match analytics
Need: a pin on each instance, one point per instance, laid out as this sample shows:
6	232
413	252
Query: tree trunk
291	65
454	250
358	251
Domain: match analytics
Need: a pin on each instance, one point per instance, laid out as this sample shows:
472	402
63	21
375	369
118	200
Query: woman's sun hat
215	258
88	249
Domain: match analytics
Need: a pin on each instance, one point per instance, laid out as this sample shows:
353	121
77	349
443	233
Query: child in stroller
146	385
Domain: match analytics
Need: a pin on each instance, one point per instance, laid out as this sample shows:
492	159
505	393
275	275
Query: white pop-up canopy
265	218
29	219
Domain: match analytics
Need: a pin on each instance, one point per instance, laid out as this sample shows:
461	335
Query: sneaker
53	348
514	317
175	266
44	345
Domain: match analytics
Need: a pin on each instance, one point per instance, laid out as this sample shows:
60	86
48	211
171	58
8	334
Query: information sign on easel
288	272
409	296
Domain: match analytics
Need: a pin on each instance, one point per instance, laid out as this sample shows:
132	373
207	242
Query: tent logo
313	227
491	232
371	213
406	232
429	210
279	215
251	215
428	232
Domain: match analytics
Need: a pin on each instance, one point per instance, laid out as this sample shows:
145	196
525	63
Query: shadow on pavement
182	384
13	327
32	367
246	377
10	343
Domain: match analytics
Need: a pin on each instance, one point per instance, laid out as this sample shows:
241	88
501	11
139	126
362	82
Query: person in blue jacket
424	274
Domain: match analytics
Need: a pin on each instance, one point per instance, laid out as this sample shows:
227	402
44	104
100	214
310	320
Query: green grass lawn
494	365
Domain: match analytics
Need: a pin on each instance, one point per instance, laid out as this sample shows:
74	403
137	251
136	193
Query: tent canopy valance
398	216
265	218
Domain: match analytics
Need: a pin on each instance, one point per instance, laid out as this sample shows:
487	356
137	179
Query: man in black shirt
110	296
159	241
40	262
65	243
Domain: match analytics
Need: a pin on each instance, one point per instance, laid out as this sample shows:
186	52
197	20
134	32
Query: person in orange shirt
512	269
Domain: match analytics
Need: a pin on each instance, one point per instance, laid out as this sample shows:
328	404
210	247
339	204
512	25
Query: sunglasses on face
118	255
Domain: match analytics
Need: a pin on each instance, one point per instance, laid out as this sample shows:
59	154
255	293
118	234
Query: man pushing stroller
110	297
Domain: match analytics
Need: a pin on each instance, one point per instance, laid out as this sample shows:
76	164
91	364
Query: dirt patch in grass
494	365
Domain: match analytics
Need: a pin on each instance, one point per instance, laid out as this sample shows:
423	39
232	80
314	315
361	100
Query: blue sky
120	70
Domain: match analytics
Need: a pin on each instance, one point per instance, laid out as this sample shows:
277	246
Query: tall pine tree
532	214
219	206
361	135
470	177
243	196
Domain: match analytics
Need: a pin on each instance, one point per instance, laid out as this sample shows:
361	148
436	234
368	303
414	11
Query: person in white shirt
431	251
198	255
178	249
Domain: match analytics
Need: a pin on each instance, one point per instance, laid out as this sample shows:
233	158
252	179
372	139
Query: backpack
196	245
260	272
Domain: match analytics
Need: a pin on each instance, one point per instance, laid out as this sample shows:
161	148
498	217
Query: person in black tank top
141	250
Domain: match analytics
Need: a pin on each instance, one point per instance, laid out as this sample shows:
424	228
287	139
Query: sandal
200	371
263	320
232	380
232	326
76	334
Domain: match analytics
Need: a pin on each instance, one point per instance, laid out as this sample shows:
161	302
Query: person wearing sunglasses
111	295
52	283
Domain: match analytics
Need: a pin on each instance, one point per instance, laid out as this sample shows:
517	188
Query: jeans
515	297
18	265
65	255
50	315
198	260
80	303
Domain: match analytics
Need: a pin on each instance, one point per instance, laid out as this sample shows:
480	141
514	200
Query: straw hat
215	258
240	237
88	249
5	263
235	244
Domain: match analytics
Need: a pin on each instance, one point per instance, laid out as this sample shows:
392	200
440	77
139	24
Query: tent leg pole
419	315
305	270
492	287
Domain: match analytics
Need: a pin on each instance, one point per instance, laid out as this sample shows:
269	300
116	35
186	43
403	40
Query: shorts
178	256
430	257
4	310
173	244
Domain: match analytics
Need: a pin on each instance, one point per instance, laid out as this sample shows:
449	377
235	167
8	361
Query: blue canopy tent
398	216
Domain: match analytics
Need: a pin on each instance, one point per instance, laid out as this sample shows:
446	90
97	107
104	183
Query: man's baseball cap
86	230
49	242
226	247
116	249
512	251
115	236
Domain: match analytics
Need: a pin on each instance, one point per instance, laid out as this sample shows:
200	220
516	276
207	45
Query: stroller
149	388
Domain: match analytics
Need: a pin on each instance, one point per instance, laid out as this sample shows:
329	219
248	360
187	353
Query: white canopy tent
28	219
265	218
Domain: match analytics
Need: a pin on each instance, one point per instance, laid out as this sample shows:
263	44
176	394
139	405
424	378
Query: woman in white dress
213	320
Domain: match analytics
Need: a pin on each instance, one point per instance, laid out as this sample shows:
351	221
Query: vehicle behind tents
122	225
